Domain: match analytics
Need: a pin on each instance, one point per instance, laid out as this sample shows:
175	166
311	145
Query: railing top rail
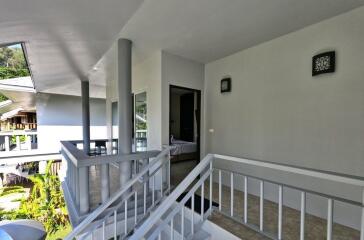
326	175
18	132
92	140
98	211
171	199
81	159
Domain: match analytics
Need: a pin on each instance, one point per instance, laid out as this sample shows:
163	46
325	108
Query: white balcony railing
130	205
18	140
91	180
214	168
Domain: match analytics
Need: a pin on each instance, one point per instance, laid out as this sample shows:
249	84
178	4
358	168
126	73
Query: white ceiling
63	38
206	30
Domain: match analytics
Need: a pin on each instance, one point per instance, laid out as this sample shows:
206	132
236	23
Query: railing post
7	144
105	185
83	181
17	142
29	142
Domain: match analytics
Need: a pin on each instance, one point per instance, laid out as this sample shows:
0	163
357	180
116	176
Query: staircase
141	210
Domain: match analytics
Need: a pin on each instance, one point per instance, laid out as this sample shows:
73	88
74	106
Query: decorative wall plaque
225	85
323	63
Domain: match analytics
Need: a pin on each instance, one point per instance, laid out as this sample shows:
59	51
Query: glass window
140	121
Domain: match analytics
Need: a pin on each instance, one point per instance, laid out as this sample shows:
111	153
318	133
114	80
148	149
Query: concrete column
83	173
125	113
85	115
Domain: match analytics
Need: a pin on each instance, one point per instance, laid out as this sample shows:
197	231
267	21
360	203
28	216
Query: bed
183	150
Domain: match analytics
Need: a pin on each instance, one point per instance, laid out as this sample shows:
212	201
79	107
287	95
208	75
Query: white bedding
180	147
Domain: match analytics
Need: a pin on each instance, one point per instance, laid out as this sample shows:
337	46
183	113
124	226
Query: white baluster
172	230
145	197
153	189
126	216
202	200
220	190
303	215
135	207
211	174
192	212
231	194
115	222
183	222
245	199
103	230
362	218
280	211
330	209
261	206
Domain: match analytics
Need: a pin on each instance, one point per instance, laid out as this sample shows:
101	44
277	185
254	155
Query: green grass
60	234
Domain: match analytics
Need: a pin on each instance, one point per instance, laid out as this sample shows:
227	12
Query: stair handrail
160	158
172	198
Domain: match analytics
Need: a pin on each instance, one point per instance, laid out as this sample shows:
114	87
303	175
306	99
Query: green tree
12	63
6	54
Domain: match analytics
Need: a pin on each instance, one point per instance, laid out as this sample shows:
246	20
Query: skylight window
13	63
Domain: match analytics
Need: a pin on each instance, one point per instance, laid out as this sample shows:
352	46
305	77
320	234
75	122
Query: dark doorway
187	111
184	123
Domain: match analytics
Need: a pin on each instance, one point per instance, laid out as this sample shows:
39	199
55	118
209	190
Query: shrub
45	203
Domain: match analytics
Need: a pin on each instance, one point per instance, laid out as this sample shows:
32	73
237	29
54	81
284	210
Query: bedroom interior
184	123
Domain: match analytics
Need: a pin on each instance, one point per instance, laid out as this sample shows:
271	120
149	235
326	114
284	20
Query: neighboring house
260	146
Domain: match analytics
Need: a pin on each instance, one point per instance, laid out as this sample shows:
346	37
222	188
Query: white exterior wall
278	112
59	118
147	78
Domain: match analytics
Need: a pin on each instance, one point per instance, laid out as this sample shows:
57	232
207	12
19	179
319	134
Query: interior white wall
59	117
181	72
278	112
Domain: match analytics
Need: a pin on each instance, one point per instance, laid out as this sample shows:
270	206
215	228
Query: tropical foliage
22	138
45	203
11	190
3	97
12	62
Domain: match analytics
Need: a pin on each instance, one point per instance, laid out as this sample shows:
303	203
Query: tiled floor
95	189
315	227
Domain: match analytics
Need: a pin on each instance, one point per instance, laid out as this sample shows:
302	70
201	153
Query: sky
15	46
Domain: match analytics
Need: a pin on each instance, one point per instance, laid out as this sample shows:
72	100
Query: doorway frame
199	105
